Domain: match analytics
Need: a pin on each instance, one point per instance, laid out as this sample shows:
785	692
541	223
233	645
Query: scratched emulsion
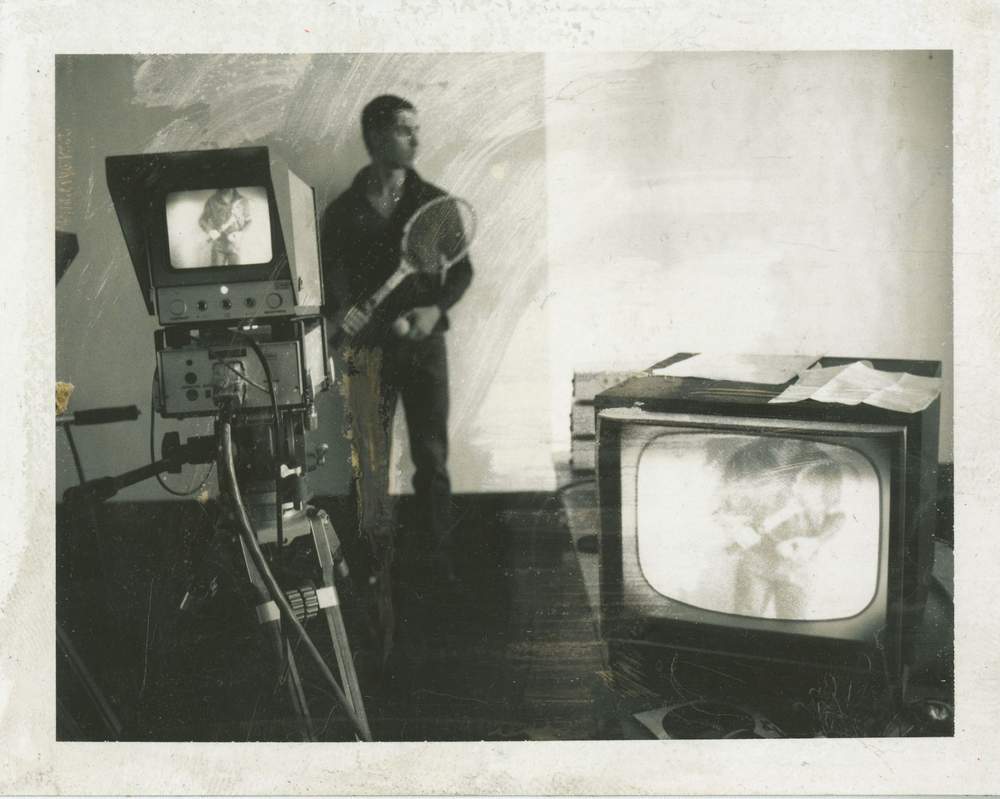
482	137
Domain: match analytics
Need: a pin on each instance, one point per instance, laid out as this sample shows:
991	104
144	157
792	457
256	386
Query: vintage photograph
539	396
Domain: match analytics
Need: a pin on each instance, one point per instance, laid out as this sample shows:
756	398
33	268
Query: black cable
246	531
278	436
582	481
152	456
76	454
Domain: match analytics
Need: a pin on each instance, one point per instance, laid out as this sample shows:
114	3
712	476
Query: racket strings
438	235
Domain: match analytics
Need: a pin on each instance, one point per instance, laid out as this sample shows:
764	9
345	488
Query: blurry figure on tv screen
780	504
225	215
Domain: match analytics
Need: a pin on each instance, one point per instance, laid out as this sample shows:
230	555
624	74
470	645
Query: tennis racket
437	236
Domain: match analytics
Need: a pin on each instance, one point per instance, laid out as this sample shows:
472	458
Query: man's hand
214	234
423	320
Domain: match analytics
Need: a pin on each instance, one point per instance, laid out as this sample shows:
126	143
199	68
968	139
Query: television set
773	535
218	235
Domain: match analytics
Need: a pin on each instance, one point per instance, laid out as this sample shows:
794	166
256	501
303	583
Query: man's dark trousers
417	373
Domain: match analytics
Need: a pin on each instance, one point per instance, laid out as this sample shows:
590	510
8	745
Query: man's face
396	145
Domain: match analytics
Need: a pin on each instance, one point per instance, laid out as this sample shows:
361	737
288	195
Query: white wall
634	205
483	138
748	202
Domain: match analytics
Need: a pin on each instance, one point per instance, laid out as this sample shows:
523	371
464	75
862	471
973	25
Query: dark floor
509	653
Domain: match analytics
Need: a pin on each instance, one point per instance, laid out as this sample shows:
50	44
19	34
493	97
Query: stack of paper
858	382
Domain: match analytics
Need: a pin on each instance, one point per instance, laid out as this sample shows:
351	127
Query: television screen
742	524
219	227
767	527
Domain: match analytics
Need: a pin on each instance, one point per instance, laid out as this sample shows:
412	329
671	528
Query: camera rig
242	342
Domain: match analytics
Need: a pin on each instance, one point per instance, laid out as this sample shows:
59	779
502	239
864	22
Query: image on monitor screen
219	227
760	526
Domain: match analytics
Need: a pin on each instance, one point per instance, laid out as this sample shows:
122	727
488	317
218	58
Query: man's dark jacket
361	249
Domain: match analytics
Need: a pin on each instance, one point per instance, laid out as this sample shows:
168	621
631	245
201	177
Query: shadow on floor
510	653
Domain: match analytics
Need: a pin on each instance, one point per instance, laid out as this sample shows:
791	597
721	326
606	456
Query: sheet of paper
809	381
741	368
909	395
858	382
854	385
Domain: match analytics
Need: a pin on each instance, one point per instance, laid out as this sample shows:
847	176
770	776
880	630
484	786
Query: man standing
225	215
398	351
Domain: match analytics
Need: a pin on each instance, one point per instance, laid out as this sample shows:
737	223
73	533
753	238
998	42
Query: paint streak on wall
482	138
633	205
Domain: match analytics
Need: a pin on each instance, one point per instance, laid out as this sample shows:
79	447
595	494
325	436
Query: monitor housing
218	235
643	605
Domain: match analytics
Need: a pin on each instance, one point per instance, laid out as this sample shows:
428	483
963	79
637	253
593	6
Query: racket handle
338	338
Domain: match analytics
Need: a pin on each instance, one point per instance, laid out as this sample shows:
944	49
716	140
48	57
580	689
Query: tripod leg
323	532
105	711
269	617
298	696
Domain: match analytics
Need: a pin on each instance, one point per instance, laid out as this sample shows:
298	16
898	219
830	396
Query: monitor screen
768	527
210	228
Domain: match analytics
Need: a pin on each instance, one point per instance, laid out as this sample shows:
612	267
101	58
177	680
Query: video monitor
217	236
219	227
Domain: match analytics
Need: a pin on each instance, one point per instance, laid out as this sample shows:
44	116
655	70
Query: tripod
299	603
246	452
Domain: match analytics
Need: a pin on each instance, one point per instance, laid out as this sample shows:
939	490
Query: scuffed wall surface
482	138
632	205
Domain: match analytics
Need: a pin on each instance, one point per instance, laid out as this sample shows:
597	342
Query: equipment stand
307	602
275	604
326	542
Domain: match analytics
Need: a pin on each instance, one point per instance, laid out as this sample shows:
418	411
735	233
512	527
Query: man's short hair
380	113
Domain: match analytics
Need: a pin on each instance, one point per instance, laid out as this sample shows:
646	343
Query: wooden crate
586	386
